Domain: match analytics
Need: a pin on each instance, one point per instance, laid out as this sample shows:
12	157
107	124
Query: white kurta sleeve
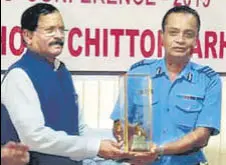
22	102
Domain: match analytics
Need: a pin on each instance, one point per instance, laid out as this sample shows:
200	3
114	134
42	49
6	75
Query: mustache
58	42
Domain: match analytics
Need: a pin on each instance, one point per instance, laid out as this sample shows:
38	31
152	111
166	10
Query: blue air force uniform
192	100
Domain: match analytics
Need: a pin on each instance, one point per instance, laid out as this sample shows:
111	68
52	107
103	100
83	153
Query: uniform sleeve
210	116
22	102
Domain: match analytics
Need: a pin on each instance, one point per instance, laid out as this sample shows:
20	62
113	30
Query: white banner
110	35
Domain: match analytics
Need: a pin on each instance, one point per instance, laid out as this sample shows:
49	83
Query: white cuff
90	150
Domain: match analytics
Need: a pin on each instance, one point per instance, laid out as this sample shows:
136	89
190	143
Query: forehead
52	19
181	20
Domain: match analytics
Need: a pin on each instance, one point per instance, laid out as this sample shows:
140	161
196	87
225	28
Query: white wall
97	95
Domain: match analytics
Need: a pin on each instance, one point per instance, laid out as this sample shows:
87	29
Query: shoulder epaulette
142	63
209	72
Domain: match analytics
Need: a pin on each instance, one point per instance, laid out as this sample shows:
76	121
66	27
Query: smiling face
48	38
180	35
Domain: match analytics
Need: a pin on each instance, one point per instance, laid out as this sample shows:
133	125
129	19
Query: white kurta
22	102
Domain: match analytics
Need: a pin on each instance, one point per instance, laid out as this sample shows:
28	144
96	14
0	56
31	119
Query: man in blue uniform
186	97
39	105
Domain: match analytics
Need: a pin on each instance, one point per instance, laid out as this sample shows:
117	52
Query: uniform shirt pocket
187	109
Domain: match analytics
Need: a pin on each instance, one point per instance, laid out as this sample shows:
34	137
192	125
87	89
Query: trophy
135	103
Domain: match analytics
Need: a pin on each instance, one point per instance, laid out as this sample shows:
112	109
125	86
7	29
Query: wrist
160	150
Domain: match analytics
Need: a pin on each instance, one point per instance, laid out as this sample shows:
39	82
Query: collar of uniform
188	73
160	69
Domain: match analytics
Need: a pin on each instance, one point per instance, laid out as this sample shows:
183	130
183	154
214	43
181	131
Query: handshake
139	153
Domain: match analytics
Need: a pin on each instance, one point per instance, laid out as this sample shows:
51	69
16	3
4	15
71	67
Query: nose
180	38
59	33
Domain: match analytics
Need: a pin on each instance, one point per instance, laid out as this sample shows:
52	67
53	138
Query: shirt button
167	109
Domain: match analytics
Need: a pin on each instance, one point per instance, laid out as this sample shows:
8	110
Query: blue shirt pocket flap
189	103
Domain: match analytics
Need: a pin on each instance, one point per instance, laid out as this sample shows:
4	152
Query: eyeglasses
52	31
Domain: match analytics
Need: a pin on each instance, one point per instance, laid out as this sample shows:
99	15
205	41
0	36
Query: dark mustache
59	42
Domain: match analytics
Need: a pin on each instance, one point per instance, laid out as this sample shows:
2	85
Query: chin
56	52
178	54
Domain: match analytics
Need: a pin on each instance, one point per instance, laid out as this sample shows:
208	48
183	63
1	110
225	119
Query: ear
27	36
